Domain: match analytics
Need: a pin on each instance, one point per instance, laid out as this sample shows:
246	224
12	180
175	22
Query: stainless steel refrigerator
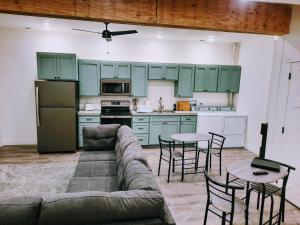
56	108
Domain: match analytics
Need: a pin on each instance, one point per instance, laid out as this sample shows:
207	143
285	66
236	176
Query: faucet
161	106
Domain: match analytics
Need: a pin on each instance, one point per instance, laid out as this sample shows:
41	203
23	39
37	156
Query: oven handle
106	116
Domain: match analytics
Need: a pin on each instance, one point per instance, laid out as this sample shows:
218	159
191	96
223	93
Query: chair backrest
166	146
220	190
288	167
217	141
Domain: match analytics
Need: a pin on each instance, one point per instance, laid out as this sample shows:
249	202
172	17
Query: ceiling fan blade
89	31
115	33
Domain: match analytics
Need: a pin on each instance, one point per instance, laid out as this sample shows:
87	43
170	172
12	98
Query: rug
40	179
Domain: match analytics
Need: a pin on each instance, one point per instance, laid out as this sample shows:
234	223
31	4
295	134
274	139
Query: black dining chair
168	154
270	190
216	147
223	199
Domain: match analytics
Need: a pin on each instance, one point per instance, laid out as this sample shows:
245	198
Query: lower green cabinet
169	129
155	129
86	121
188	127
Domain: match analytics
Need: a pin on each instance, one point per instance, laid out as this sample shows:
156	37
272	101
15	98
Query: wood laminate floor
186	199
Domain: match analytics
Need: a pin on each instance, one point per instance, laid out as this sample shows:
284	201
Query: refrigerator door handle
37	106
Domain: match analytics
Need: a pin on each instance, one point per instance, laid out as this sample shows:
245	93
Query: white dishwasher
231	125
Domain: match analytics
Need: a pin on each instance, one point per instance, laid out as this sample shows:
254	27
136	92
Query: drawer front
81	125
188	118
140	128
164	118
143	139
89	119
140	119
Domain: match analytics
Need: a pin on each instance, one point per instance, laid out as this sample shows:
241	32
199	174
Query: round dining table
188	138
244	171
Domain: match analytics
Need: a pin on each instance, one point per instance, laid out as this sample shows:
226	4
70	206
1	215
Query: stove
115	112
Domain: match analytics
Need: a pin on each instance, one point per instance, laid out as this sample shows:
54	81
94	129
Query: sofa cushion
96	169
100	138
83	184
97	156
97	207
138	177
22	210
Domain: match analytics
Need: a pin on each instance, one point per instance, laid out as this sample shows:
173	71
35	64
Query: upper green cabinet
229	79
56	66
89	77
185	84
115	70
163	72
206	78
139	80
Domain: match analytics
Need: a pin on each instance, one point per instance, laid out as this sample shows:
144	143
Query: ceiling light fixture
159	36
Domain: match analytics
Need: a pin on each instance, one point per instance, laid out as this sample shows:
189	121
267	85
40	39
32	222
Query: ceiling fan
106	34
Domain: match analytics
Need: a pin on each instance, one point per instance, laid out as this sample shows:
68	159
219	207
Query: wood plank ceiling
220	15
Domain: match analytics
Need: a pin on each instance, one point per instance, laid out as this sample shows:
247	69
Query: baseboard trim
252	149
18	142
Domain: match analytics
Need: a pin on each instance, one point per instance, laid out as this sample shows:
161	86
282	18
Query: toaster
183	106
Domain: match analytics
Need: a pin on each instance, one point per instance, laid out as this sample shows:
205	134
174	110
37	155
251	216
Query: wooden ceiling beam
220	15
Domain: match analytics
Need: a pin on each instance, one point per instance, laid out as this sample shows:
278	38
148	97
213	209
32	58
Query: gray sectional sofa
112	185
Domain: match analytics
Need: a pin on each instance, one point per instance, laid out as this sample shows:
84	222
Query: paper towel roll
147	102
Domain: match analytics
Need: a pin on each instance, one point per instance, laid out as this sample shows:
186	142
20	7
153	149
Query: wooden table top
191	137
242	169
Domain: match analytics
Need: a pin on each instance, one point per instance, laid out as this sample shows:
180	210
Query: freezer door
56	94
57	130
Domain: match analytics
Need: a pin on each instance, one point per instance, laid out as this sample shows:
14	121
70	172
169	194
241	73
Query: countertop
89	113
168	113
221	113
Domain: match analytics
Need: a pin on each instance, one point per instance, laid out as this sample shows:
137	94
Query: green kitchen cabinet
89	77
170	128
163	72
206	78
185	84
155	129
86	121
115	70
229	79
156	71
188	127
108	70
56	66
139	80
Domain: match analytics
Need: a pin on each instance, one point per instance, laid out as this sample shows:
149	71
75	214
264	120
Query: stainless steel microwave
115	87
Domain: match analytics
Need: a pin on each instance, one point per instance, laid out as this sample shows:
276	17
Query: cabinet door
89	78
169	129
139	80
66	67
187	127
47	69
235	79
156	128
108	70
171	72
185	84
211	78
223	80
234	126
156	71
200	78
123	70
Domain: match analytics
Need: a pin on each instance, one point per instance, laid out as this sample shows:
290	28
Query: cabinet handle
140	128
188	119
140	139
88	119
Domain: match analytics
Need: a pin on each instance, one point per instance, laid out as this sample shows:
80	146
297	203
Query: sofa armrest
168	216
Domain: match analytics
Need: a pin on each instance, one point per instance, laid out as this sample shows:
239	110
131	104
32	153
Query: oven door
115	87
123	120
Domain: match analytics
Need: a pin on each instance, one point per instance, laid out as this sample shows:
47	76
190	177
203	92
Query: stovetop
115	107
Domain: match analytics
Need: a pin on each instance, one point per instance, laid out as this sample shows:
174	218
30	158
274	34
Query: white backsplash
164	89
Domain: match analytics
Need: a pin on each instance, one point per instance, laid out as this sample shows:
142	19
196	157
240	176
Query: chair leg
271	210
248	195
173	166
182	169
223	218
231	218
169	170
258	200
206	212
283	206
159	164
220	164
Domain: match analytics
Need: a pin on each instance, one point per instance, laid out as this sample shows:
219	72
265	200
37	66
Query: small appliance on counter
89	107
183	106
144	109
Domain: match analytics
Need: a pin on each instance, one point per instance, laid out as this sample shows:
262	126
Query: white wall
18	69
256	57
